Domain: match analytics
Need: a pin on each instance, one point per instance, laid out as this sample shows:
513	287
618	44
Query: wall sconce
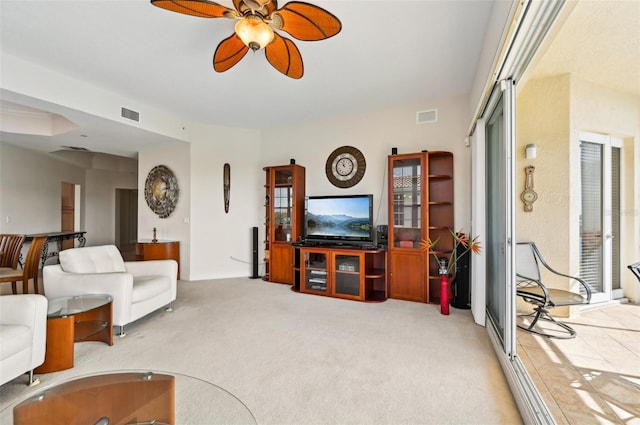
530	151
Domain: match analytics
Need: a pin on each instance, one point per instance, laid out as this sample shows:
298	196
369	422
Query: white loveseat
23	335
137	287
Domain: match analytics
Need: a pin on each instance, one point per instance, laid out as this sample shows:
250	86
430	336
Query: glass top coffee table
130	396
75	319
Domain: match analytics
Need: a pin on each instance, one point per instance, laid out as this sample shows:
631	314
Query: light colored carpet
303	359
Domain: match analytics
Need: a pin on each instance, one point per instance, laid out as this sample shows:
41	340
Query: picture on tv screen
339	217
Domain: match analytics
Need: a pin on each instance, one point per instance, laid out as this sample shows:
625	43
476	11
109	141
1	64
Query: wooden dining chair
10	248
32	264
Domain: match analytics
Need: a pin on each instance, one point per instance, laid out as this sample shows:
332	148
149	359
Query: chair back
526	262
32	263
635	269
10	247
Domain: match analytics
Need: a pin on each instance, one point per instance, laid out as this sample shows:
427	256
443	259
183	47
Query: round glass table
75	319
129	396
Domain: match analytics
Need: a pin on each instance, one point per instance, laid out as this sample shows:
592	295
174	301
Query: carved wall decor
161	191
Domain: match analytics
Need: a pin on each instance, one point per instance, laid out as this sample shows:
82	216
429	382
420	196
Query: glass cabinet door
315	272
282	205
407	177
347	275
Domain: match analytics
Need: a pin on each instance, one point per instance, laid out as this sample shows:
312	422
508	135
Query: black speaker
382	232
462	283
394	151
254	256
292	161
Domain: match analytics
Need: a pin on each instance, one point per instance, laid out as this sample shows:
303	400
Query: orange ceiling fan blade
284	56
200	8
305	21
228	53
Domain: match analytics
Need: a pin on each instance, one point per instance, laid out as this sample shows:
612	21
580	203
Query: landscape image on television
338	217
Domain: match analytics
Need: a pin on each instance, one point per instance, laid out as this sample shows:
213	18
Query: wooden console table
56	237
160	250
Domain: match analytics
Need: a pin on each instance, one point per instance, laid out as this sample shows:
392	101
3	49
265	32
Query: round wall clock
161	191
345	166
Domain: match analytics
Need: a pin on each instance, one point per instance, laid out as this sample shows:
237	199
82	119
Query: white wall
40	83
221	243
374	134
215	244
30	188
100	203
175	227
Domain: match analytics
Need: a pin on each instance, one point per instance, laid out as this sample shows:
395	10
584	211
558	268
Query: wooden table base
63	332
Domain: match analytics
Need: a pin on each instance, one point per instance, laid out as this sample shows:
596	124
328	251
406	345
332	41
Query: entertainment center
327	245
357	274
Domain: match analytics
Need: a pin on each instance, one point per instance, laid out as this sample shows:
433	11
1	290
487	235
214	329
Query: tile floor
594	378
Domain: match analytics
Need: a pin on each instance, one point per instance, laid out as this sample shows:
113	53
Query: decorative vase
444	294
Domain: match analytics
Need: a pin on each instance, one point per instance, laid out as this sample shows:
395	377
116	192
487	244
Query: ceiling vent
426	117
131	115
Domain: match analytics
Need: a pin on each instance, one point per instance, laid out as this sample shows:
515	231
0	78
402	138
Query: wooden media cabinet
351	273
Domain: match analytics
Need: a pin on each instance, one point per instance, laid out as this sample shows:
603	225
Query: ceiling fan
254	30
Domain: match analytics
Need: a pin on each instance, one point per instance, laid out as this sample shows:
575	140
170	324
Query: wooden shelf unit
440	217
354	274
284	219
420	208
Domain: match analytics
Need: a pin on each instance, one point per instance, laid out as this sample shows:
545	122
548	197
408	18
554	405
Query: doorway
126	222
70	211
600	208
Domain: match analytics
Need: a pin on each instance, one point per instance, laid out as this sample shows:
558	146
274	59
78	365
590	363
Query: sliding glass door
500	140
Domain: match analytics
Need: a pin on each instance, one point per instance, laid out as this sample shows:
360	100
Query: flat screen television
339	220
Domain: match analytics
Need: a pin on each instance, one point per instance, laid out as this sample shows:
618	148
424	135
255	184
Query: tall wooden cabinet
284	219
420	207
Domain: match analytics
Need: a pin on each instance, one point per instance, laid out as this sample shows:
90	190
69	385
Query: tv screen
339	219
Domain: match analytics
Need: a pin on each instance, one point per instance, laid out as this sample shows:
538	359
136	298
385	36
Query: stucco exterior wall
551	113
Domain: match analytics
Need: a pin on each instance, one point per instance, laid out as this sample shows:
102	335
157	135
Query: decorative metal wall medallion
161	191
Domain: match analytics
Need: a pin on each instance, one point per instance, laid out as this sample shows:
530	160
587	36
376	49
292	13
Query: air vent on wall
426	117
129	114
74	148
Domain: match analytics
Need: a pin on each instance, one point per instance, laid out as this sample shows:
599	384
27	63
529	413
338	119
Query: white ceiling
600	43
388	52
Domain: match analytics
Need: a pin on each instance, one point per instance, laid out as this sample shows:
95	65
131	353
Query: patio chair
531	289
635	269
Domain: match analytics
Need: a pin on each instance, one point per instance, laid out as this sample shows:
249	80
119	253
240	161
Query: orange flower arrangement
461	239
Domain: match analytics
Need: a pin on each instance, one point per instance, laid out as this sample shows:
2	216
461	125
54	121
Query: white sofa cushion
147	287
15	338
23	334
93	259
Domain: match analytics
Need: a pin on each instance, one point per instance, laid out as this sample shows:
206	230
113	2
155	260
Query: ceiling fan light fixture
254	32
